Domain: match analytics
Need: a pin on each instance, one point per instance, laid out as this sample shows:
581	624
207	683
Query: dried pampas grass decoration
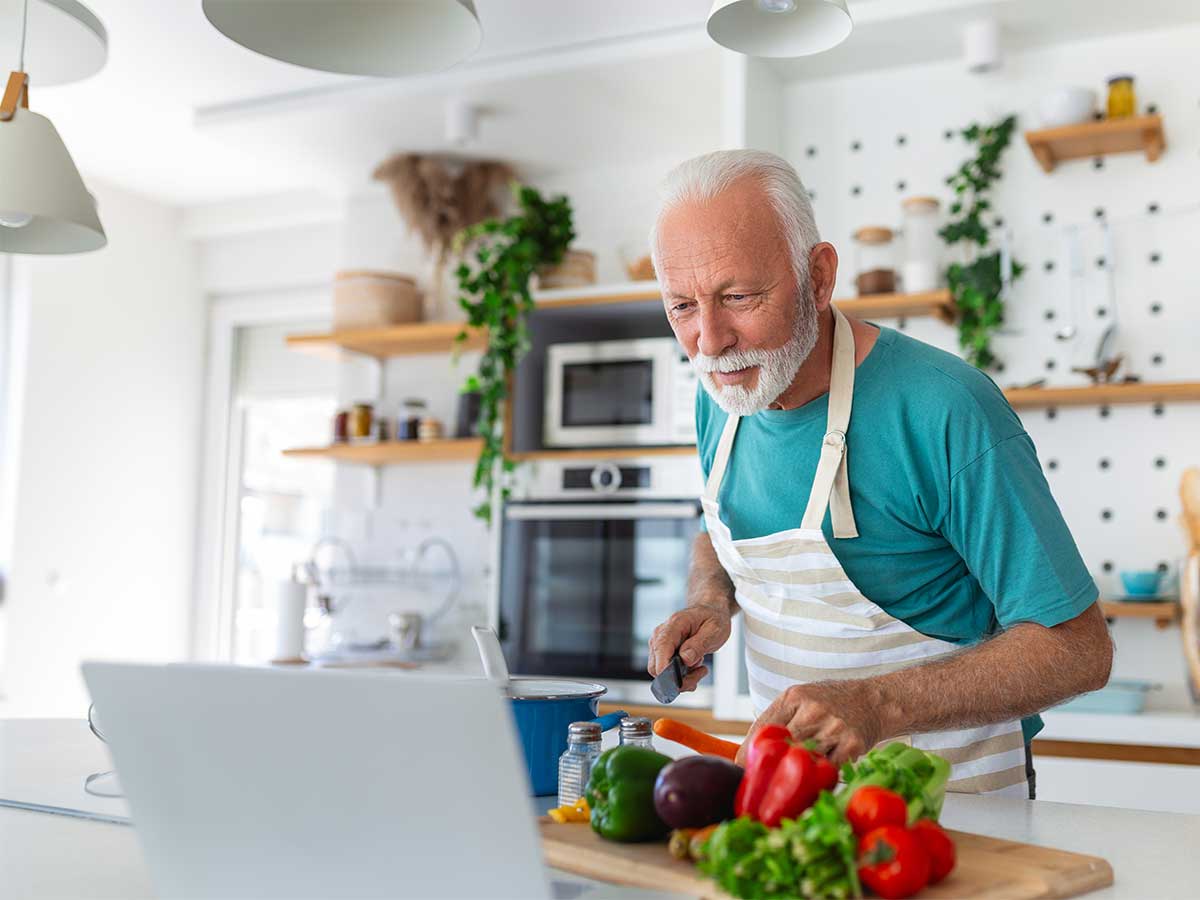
439	196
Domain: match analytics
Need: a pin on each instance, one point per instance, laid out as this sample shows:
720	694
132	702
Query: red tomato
939	847
827	772
873	807
893	863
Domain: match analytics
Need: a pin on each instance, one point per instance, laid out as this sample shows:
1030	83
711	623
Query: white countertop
53	856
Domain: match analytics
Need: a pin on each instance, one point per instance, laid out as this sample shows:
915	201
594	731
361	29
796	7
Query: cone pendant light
44	206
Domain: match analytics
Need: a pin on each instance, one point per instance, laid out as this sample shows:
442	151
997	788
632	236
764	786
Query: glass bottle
409	421
575	765
921	270
636	732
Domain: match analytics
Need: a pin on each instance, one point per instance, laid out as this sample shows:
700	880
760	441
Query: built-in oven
627	393
594	556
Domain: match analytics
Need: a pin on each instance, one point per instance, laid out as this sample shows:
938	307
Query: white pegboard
862	143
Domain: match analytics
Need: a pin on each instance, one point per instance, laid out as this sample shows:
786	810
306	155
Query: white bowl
1067	106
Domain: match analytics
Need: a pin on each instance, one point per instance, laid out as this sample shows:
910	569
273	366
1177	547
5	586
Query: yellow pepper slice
579	811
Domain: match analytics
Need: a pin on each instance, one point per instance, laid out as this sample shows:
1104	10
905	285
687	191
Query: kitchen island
45	855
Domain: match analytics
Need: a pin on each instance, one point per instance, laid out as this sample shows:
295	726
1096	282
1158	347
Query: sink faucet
312	571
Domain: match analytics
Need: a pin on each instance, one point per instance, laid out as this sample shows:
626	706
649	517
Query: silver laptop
255	782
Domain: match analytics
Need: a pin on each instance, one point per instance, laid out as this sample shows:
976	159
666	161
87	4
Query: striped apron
804	620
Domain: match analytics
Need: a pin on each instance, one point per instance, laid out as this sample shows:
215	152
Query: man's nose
716	333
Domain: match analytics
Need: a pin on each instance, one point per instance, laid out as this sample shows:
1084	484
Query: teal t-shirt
959	535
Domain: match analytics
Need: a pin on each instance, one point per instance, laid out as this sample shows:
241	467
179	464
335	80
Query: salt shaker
575	766
636	732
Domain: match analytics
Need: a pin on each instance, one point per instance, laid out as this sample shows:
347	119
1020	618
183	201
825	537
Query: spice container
360	421
408	423
875	254
430	429
637	732
341	427
575	765
1122	99
922	267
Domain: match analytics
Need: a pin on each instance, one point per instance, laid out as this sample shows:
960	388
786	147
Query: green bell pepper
621	794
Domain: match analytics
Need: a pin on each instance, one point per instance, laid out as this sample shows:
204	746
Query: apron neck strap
831	484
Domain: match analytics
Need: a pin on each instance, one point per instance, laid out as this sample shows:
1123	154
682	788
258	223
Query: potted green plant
500	256
978	281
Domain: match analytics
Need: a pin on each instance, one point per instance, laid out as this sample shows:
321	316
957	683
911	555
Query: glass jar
575	765
876	259
429	429
408	422
1122	99
636	732
921	270
360	421
341	427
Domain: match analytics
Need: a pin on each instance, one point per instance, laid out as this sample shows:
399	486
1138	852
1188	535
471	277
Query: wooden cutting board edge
1021	871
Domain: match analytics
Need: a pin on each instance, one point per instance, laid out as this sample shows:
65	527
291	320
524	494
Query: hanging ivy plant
978	283
499	258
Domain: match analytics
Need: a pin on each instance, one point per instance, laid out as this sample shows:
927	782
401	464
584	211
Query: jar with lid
875	253
575	765
636	732
1122	99
408	422
360	421
429	429
921	269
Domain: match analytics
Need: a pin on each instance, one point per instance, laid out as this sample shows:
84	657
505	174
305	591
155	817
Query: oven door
583	585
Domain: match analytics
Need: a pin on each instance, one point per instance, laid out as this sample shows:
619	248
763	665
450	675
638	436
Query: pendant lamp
779	28
353	37
44	206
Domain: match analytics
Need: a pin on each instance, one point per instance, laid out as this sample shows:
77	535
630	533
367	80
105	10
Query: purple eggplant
696	791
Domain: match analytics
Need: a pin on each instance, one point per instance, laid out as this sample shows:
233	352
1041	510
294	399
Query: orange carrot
674	730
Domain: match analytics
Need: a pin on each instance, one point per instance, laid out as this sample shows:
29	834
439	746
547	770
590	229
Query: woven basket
578	268
368	299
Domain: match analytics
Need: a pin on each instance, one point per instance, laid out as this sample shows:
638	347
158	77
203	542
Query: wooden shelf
1137	134
395	340
939	304
392	452
604	453
598	295
1164	613
1105	394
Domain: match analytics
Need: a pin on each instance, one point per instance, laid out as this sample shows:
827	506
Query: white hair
703	178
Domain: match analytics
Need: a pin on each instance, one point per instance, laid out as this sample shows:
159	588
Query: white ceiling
184	115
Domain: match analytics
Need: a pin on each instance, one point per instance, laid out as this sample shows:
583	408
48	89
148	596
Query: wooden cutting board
987	867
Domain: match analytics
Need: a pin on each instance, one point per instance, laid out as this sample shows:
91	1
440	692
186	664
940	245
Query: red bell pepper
782	778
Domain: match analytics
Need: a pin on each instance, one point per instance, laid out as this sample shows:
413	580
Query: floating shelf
1164	613
939	304
439	337
1105	394
1137	134
392	452
394	340
604	453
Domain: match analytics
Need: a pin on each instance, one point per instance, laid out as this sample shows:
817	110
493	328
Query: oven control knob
606	478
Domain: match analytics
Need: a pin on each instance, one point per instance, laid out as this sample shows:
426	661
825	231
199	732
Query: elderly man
873	507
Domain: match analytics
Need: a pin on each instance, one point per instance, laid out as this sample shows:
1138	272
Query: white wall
107	461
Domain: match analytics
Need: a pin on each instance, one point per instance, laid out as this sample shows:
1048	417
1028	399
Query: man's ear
822	272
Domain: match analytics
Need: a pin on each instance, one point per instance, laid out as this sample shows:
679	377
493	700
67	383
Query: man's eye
681	308
736	297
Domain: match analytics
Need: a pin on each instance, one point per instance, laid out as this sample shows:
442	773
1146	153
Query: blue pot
543	709
1141	583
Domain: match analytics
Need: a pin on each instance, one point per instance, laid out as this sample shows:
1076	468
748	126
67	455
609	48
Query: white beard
776	368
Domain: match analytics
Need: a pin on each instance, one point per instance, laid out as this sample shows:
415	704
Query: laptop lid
256	782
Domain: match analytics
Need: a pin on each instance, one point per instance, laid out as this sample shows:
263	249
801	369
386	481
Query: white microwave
634	393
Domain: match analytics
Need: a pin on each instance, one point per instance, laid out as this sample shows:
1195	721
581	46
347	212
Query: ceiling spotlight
981	46
462	123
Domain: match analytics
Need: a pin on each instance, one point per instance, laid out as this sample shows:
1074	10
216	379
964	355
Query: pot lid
553	689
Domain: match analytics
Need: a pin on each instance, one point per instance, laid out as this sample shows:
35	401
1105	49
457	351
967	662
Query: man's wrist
888	699
718	604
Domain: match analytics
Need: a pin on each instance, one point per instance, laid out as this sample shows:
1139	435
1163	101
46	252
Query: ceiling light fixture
44	206
353	37
779	28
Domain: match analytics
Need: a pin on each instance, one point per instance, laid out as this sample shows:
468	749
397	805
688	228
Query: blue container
1118	697
543	709
1142	583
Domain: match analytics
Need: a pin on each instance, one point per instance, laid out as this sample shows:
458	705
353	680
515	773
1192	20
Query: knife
668	683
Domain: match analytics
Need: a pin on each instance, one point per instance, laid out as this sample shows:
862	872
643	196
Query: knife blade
668	683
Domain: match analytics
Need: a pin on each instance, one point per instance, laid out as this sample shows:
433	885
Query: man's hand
840	716
692	633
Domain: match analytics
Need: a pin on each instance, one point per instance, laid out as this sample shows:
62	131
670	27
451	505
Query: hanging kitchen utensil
494	666
1075	269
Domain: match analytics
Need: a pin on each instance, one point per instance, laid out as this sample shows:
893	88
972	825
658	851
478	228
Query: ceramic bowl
1143	583
1067	106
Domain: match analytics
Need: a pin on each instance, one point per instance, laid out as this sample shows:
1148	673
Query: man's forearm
708	582
1018	673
